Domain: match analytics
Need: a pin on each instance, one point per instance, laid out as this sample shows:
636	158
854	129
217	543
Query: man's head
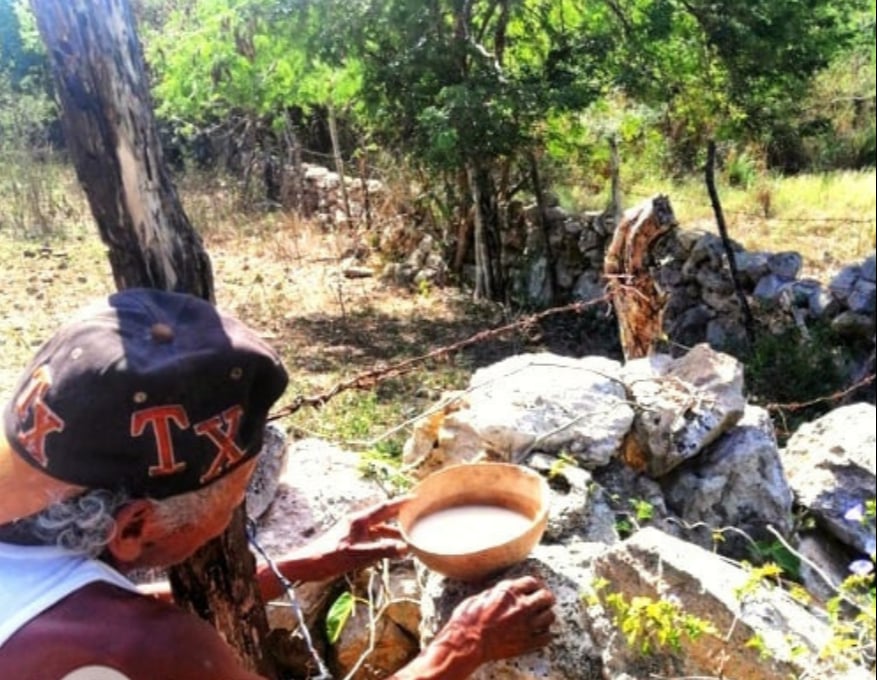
152	393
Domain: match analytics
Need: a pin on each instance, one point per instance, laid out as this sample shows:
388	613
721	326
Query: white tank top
33	578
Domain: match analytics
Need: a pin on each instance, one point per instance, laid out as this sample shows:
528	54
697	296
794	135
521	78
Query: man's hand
357	541
511	618
363	538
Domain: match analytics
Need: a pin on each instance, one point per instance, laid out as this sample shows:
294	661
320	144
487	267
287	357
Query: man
128	442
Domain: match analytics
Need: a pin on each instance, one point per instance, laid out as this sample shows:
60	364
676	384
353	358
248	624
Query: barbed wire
836	396
741	213
371	378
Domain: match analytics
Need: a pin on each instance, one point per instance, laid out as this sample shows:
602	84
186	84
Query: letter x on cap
153	392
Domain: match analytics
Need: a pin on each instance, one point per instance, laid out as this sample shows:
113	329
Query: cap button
161	333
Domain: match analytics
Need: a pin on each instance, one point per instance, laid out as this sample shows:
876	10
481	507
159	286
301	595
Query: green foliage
564	460
339	612
788	368
447	86
215	57
776	553
852	617
629	521
31	192
651	625
643	510
850	613
22	57
837	127
383	464
742	170
25	107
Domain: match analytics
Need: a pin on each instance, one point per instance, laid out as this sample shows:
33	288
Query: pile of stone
673	435
316	192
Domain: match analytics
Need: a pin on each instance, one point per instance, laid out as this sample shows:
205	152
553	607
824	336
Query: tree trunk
484	284
541	210
107	118
638	303
489	283
339	162
110	132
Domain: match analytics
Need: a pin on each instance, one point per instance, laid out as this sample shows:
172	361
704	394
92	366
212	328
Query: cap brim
24	490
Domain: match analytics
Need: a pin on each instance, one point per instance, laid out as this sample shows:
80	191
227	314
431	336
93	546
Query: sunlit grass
828	218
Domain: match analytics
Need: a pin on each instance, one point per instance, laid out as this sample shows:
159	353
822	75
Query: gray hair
86	523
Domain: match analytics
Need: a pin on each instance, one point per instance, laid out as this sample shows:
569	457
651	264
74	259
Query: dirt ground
285	278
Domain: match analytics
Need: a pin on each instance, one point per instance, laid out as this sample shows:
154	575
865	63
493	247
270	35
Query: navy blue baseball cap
149	391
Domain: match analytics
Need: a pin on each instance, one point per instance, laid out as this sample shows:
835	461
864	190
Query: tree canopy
490	99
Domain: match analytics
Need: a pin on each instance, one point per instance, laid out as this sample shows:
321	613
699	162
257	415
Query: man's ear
132	520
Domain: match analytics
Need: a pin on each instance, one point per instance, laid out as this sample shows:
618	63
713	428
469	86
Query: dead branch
639	303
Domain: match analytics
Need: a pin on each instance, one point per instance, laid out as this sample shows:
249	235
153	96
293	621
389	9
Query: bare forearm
453	655
306	564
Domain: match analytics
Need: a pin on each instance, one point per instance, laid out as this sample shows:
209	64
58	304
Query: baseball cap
153	392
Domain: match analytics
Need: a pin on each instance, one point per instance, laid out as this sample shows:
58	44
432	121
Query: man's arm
511	618
358	541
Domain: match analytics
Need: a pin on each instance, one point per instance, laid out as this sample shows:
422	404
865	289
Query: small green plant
382	463
779	554
788	368
764	576
627	522
651	625
757	643
852	616
851	611
563	461
339	612
642	509
742	170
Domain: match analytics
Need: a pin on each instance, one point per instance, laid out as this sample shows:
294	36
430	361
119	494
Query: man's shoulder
101	625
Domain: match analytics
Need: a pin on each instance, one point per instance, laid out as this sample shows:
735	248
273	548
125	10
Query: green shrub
786	371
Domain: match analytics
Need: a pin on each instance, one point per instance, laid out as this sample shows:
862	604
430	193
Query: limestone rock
693	581
830	466
539	402
683	404
738	482
572	655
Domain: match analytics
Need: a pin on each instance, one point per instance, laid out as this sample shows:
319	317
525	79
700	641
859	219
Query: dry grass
283	276
829	219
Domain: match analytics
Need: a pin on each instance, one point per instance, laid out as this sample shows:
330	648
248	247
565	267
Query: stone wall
691	267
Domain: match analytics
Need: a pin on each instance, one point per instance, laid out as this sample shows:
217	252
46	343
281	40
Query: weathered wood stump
637	299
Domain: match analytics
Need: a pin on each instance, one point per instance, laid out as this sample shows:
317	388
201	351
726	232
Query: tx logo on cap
160	418
160	421
45	420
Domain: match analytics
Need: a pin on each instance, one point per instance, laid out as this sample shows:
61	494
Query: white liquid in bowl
467	528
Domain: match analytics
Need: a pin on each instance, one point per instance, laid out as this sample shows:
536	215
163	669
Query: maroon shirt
104	625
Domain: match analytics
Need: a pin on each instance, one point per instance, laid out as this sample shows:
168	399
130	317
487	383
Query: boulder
737	482
831	469
683	404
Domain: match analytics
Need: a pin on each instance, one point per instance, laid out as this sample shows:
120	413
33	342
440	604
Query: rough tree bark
484	284
638	303
109	127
